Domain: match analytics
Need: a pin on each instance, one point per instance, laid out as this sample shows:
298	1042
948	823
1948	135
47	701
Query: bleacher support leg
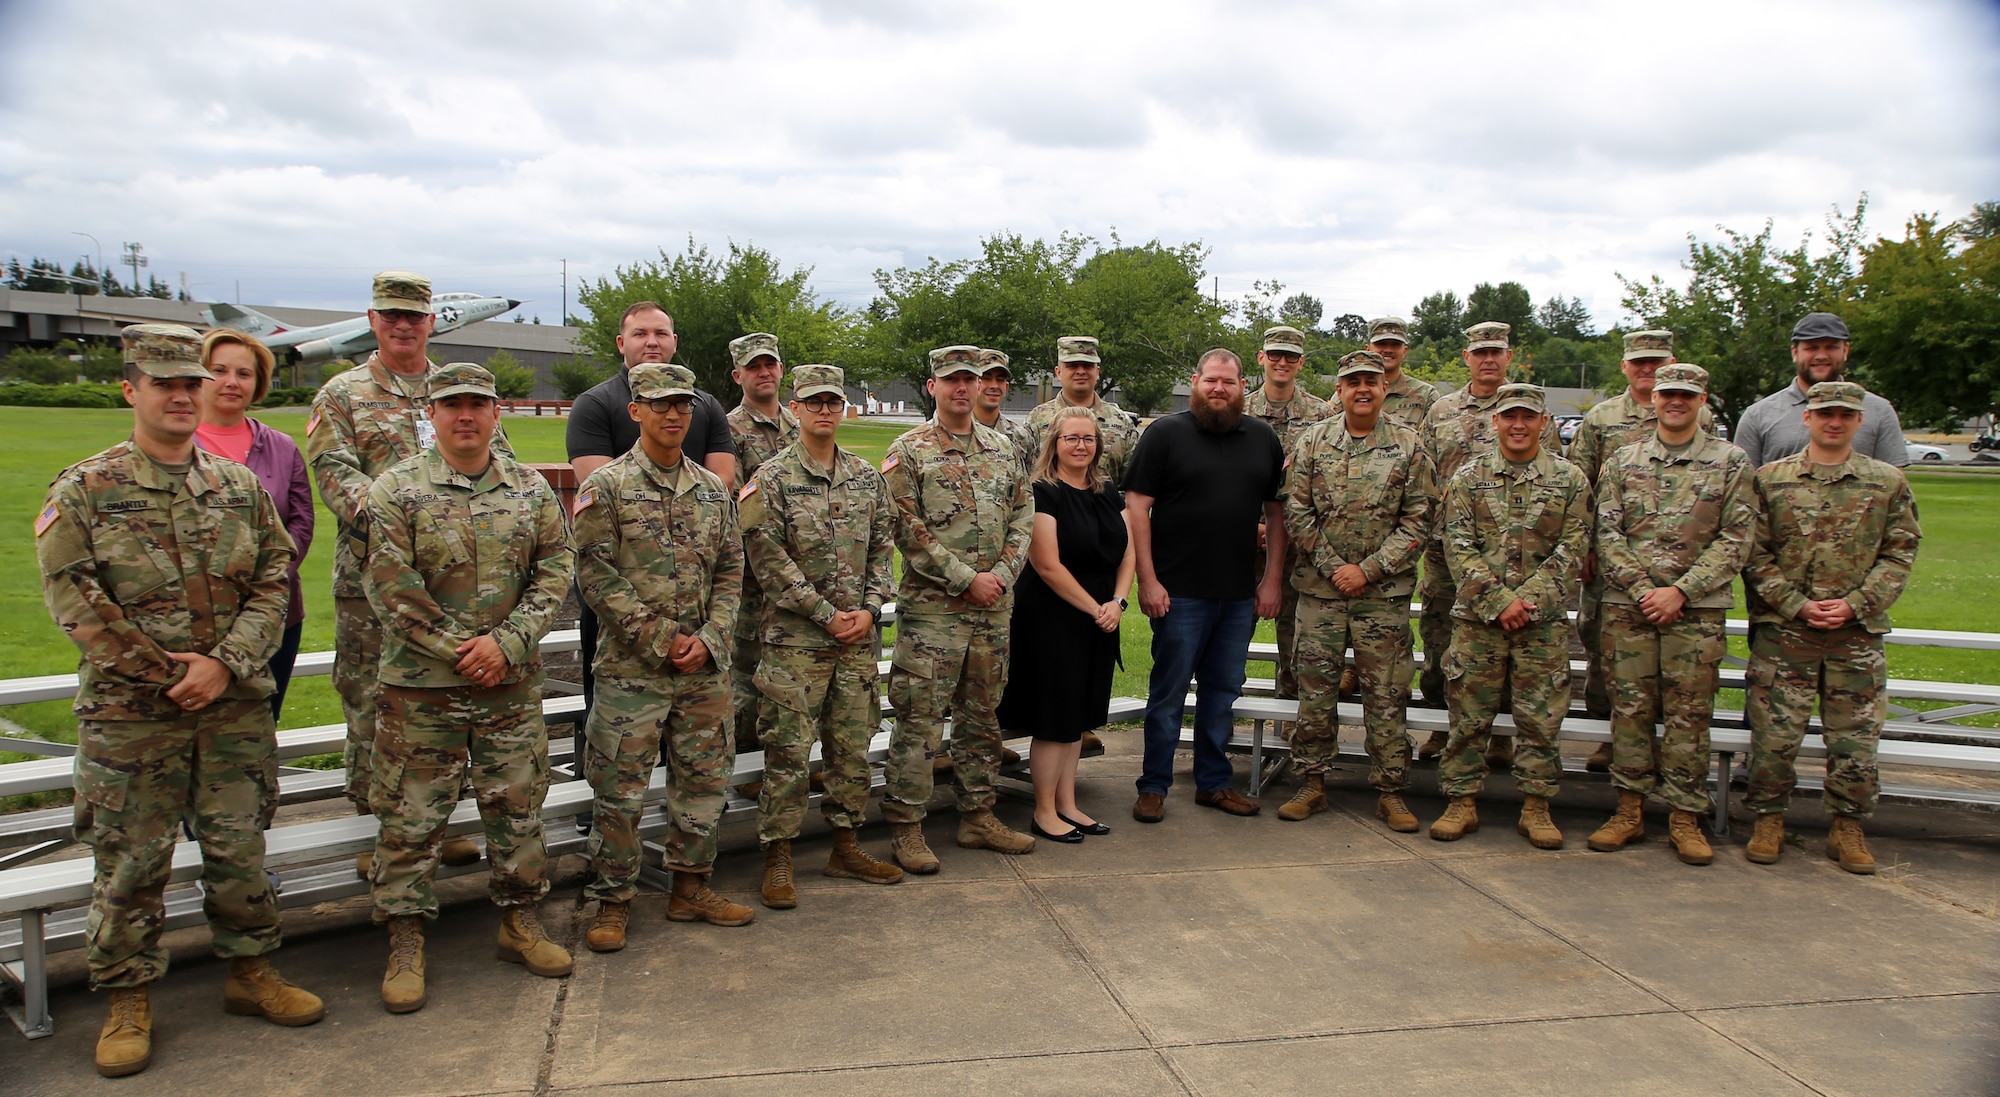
1725	760
32	1018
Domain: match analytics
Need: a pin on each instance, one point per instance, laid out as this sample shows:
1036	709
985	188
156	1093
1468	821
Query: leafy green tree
1351	326
1983	223
1508	303
1925	313
1565	319
1302	311
1151	318
914	311
511	379
1439	318
574	377
28	365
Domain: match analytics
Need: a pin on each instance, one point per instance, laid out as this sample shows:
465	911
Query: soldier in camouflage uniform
468	561
1675	513
168	568
819	530
1291	411
660	559
1515	526
1836	538
1459	428
1409	399
1357	513
365	420
1077	369
995	377
963	518
760	427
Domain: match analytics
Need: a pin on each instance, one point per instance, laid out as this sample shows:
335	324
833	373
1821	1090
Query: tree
1350	326
1508	303
511	379
574	377
1925	313
1566	319
914	311
1302	311
1983	223
1151	318
1438	318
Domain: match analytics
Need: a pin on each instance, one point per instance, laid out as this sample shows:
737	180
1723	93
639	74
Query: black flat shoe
1068	837
1095	830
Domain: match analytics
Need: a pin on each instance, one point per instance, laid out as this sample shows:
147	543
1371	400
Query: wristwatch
1123	604
876	613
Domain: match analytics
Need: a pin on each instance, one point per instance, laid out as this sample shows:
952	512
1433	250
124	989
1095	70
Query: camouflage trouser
427	743
815	694
956	664
1482	662
1287	625
1379	630
135	781
683	720
1590	615
357	650
1845	670
746	649
1434	624
1662	675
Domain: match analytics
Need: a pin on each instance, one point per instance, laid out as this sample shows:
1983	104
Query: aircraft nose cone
511	303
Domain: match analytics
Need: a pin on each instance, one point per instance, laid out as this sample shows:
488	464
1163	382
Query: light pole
100	257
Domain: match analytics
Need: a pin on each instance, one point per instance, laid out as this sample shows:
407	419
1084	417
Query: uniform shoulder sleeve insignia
748	489
312	423
47	518
891	461
586	497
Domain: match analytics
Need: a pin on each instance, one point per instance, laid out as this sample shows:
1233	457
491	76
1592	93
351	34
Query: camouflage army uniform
364	421
1847	531
1407	403
1511	531
452	558
1118	428
138	561
757	437
1290	419
658	555
822	540
1027	444
1364	501
1682	520
961	510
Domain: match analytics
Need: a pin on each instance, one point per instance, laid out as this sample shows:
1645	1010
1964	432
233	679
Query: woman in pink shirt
241	369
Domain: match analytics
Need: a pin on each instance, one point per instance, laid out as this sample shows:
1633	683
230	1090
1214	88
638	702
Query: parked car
1921	452
1566	427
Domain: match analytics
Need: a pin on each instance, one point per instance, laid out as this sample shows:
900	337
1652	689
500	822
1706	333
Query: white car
1921	452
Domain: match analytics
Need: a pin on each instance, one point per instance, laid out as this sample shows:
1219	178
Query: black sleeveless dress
1059	662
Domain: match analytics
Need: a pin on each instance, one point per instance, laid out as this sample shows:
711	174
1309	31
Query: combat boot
523	941
1395	814
1308	801
910	851
692	901
1684	830
607	929
1626	825
1536	826
364	864
778	891
848	861
1433	746
1460	818
1599	760
1500	753
1090	746
458	852
255	989
1767	842
403	983
981	829
1845	844
125	1044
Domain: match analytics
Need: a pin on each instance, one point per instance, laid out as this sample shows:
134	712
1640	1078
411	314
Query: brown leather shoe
1090	746
1150	808
1229	800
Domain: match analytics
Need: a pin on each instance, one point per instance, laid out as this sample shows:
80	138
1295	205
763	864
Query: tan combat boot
1433	746
1684	831
1626	825
403	983
1536	826
1308	801
692	901
778	891
523	941
1845	844
848	861
1500	753
981	829
1767	842
1090	746
607	929
125	1044
1460	818
1599	760
364	864
910	851
255	989
1394	813
458	852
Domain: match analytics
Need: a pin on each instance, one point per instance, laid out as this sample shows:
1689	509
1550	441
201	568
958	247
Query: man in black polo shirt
1199	482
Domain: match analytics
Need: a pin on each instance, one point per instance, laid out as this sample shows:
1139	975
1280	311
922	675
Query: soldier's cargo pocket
98	788
909	672
777	683
1452	665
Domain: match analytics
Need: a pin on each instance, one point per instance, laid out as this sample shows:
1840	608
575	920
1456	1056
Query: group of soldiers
749	604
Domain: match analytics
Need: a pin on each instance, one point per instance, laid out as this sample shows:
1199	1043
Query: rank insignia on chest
47	518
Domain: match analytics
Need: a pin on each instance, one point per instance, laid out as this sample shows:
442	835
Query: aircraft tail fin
246	320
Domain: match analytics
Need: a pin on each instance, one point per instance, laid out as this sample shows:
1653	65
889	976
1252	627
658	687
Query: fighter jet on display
349	338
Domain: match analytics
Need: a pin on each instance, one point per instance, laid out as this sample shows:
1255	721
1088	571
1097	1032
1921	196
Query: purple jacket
275	458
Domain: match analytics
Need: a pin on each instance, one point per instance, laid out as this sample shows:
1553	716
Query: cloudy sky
1368	153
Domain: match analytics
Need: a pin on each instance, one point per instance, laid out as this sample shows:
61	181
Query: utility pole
100	257
564	321
135	257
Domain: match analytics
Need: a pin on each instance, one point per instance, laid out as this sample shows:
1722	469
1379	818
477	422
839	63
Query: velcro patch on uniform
424	496
586	497
890	461
520	493
312	423
47	518
711	496
233	501
120	506
802	489
374	404
747	490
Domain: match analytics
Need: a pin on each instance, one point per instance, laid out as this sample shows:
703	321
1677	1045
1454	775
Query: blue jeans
1207	639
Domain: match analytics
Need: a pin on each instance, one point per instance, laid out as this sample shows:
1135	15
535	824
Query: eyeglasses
663	405
393	317
823	404
1077	439
1282	356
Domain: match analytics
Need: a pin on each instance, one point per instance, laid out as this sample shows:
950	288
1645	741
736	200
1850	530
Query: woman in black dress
1066	612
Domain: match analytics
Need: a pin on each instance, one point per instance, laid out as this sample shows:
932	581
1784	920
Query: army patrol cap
652	380
814	380
990	360
1648	344
1681	377
1389	329
1820	325
399	289
1361	361
462	378
1833	394
946	361
1522	396
744	349
1077	348
1492	333
1285	338
164	350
